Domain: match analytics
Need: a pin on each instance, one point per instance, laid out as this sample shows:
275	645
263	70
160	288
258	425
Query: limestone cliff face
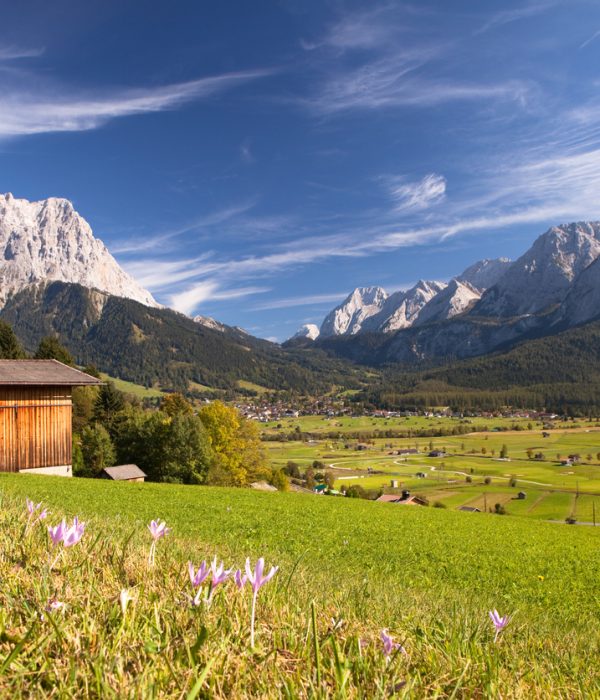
48	240
543	276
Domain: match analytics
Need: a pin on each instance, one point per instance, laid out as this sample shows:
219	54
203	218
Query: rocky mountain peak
349	316
309	331
48	240
541	277
485	273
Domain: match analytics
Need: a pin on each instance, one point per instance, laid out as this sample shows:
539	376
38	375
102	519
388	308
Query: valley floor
533	467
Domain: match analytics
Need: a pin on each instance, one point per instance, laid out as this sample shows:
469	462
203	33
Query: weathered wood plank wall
35	427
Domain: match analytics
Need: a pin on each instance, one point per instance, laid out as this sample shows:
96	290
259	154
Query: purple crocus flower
57	533
219	573
389	645
158	529
498	622
73	534
240	579
257	579
35	514
198	577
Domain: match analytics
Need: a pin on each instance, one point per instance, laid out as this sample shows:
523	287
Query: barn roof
124	472
42	373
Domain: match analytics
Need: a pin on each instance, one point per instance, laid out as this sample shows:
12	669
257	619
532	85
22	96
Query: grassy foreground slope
428	575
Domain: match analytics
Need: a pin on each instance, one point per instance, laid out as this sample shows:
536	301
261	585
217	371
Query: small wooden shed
125	472
36	415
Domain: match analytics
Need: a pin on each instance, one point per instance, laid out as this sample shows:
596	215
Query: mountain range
58	279
490	306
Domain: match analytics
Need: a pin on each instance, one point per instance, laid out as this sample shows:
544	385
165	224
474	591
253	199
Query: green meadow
533	464
348	570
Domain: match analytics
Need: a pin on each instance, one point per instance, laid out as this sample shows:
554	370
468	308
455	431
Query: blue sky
256	161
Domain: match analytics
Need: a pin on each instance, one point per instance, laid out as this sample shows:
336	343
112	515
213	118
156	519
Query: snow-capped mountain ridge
401	309
48	240
552	287
538	282
455	299
349	316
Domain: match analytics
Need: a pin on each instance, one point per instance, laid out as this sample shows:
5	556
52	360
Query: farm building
404	499
35	415
124	472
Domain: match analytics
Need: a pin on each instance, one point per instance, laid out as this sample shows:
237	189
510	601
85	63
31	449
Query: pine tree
50	349
10	348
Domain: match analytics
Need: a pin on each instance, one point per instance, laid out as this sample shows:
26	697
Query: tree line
174	443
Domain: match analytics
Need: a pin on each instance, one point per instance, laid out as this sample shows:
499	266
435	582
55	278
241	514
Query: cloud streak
188	300
14	53
594	36
507	16
24	113
364	63
157	240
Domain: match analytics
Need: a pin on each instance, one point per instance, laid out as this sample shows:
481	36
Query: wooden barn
35	415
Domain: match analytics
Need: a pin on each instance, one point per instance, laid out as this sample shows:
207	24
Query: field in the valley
429	576
552	491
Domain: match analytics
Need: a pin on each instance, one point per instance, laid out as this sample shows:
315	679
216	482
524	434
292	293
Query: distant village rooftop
42	372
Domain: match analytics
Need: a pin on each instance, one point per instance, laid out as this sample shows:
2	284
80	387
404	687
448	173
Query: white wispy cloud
358	30
15	53
388	72
25	112
417	195
161	275
155	241
392	83
594	36
515	14
190	299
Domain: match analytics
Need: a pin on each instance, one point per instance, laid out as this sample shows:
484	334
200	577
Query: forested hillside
559	373
159	346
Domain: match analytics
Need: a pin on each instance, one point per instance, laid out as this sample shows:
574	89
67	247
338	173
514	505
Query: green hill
429	576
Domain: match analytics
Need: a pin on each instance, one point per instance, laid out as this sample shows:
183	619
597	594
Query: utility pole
485	502
594	512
